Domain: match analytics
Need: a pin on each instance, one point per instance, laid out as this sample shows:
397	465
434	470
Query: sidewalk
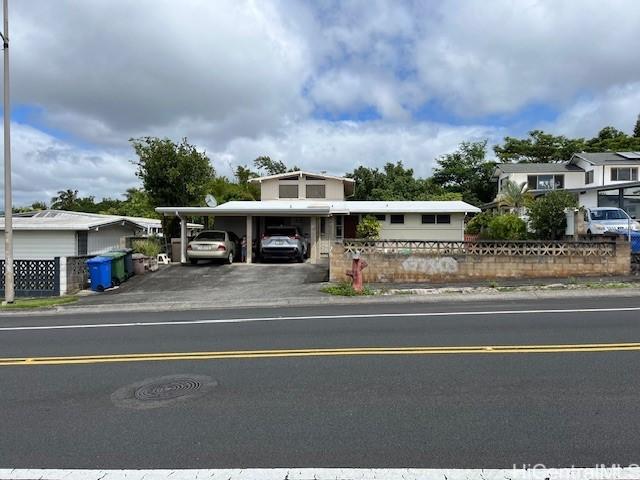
622	287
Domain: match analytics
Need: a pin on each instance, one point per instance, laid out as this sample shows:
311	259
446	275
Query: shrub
547	217
149	247
368	228
479	223
506	227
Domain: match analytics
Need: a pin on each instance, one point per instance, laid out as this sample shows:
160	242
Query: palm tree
514	195
65	200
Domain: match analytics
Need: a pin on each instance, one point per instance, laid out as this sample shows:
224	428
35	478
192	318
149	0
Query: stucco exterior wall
414	229
269	189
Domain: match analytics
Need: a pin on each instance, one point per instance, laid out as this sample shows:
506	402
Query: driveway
217	284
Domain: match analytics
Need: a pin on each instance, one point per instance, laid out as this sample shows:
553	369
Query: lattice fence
34	278
513	248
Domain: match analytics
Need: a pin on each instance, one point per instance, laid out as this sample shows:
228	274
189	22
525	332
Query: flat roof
320	208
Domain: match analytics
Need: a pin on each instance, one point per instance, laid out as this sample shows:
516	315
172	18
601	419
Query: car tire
589	235
230	259
193	261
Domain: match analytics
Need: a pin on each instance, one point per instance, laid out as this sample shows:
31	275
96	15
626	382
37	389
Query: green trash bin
118	273
128	260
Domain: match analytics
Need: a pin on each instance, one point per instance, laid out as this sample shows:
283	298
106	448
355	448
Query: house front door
350	224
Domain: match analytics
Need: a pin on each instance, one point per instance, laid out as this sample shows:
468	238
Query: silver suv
284	242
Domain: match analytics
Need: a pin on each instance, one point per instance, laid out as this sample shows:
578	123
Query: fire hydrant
355	273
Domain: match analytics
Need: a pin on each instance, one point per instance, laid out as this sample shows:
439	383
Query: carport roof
318	208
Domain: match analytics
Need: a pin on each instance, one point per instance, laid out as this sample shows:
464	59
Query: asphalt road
320	404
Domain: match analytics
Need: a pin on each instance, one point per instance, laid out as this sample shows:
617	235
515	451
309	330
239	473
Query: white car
609	221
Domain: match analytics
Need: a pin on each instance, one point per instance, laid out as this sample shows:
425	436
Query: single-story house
65	234
317	204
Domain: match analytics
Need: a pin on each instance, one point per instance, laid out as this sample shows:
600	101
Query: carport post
249	238
183	239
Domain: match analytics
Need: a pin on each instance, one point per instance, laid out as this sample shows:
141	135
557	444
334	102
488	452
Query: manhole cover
162	391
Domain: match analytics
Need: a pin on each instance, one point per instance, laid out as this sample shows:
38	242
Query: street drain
162	391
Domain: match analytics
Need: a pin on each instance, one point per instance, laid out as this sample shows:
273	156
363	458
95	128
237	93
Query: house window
624	174
339	227
430	218
588	177
545	182
316	191
381	217
288	191
82	243
397	218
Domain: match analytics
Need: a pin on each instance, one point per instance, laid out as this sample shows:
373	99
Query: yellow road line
323	352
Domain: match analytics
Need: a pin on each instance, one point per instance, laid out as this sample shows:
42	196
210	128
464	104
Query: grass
345	290
39	302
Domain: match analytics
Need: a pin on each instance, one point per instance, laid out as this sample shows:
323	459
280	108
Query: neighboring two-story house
606	179
318	205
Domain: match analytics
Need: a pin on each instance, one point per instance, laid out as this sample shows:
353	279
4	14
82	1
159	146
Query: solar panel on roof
630	155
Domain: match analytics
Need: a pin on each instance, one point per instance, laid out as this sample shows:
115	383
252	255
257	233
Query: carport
250	218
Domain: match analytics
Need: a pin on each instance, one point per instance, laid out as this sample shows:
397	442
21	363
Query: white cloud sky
326	85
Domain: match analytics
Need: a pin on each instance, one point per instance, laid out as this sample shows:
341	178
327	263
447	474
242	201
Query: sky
322	84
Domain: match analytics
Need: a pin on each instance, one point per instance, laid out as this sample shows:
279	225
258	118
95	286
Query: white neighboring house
62	235
317	204
604	179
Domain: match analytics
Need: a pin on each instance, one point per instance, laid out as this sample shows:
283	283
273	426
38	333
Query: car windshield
211	236
282	231
608	215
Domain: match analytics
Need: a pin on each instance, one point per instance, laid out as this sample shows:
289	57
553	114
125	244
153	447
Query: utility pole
9	293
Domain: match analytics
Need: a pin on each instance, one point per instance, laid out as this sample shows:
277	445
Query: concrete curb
431	298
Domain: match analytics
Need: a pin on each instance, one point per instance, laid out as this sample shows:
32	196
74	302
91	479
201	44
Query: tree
172	174
636	129
271	167
38	206
547	216
135	204
368	228
243	174
514	195
466	171
611	139
65	200
539	147
394	182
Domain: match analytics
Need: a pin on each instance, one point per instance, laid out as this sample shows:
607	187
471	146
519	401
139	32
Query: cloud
326	85
618	106
43	165
110	70
482	58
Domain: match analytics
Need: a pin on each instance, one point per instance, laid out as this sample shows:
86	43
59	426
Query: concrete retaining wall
415	266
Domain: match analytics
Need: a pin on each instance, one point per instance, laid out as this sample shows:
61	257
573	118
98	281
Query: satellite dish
211	201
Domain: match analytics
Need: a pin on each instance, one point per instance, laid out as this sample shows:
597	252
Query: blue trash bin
99	273
635	239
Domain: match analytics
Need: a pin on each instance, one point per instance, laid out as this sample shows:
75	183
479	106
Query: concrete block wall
415	267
